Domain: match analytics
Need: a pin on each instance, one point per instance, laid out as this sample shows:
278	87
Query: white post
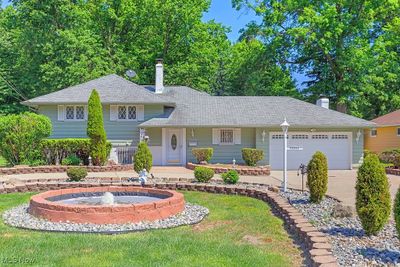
285	127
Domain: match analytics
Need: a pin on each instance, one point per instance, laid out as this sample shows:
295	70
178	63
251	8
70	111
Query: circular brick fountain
82	205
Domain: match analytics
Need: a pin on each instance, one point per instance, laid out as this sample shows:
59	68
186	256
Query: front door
174	146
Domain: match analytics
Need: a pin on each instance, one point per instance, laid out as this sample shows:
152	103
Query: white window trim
233	137
376	132
398	130
127	107
75	119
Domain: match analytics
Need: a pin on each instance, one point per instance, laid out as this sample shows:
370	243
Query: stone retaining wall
242	170
314	242
56	169
392	171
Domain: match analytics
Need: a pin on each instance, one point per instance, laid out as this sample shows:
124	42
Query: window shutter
113	112
61	112
237	135
140	112
85	112
215	136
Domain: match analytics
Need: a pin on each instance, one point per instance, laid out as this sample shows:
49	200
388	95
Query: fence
125	154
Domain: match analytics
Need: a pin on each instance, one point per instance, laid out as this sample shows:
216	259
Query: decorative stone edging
58	169
315	243
393	171
242	170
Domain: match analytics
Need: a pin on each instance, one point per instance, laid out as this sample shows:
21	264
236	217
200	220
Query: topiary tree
396	211
143	158
21	135
373	196
95	130
317	177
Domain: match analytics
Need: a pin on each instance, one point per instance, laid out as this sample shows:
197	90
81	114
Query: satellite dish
130	73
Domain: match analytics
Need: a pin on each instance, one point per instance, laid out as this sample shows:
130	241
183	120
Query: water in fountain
107	199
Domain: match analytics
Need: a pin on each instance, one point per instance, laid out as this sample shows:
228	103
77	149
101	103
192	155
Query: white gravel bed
20	218
349	243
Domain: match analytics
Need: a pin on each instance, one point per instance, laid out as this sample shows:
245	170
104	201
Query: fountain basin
145	204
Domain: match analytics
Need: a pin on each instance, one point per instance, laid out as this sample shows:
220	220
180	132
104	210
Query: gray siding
222	153
118	132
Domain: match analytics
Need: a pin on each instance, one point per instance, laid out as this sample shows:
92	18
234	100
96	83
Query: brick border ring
43	206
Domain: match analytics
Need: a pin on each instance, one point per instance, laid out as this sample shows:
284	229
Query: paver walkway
341	183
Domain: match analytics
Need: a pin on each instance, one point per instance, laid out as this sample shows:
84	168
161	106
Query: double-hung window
373	132
127	113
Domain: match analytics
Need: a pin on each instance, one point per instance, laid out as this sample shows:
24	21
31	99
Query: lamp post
285	127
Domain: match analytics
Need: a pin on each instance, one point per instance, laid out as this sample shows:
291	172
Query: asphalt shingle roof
198	109
112	89
391	119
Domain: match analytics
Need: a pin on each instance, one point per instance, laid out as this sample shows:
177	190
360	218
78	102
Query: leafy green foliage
76	174
230	177
373	196
56	150
203	154
251	156
71	160
396	211
20	137
317	177
143	159
203	174
95	130
391	156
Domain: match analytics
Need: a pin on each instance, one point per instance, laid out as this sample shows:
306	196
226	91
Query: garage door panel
336	147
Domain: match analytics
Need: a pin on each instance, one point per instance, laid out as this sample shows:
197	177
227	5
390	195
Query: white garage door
337	148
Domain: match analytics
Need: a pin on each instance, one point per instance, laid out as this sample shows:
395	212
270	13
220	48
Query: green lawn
239	231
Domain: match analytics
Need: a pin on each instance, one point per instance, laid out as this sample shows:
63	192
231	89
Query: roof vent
159	76
323	102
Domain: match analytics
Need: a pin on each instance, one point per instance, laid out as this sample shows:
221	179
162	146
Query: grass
222	239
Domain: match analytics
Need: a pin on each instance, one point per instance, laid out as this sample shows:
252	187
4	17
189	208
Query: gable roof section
251	111
112	89
390	119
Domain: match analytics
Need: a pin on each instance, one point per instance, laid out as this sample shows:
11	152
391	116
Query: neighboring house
386	134
178	118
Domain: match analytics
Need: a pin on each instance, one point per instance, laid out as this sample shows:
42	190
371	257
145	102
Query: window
226	136
299	136
127	113
374	132
320	136
75	113
340	136
398	131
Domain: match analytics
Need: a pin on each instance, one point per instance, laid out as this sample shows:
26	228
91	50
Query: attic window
374	132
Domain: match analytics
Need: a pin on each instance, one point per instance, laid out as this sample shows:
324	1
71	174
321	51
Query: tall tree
332	42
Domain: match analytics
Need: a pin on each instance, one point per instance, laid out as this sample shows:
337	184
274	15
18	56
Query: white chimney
323	102
159	77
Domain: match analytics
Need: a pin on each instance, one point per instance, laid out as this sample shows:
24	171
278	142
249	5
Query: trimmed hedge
373	195
391	156
203	154
95	130
71	160
230	177
396	211
56	150
203	174
251	156
77	173
143	159
317	177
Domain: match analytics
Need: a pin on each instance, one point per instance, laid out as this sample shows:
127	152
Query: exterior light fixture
358	136
192	133
263	134
285	127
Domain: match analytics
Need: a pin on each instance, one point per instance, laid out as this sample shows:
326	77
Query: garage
302	145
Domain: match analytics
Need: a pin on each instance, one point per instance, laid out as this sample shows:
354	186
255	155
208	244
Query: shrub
203	174
203	154
95	130
251	156
77	173
317	177
391	156
143	159
71	160
38	162
56	150
230	177
20	136
373	196
396	211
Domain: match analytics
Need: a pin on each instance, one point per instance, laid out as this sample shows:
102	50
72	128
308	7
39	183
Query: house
386	134
178	118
